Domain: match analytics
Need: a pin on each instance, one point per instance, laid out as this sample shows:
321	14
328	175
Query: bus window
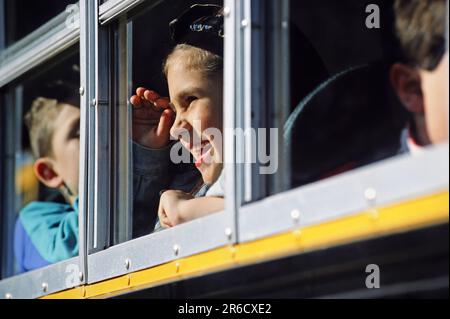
39	162
21	17
163	170
341	111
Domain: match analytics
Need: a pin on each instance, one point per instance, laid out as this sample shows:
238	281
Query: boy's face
425	95
197	100
436	101
66	146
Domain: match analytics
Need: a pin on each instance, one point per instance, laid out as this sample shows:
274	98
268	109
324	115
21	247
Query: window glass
346	108
40	138
162	170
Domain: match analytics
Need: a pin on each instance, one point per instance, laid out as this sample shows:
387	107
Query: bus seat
350	120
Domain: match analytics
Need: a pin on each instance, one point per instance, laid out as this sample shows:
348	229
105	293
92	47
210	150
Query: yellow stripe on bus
415	214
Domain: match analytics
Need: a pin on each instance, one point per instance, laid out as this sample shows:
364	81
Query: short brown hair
421	28
198	59
39	121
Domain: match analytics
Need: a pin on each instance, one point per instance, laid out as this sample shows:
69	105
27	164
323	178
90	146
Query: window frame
111	9
46	42
7	152
175	243
2	26
288	209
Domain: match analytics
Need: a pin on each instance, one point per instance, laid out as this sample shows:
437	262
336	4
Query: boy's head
421	80
194	73
54	134
195	83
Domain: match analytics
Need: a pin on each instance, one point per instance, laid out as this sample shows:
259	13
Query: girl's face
197	101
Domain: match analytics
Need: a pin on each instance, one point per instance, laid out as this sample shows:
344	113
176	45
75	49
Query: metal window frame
40	46
3	157
447	39
279	83
99	231
2	25
8	196
266	79
232	118
95	113
255	184
172	244
111	9
89	178
123	189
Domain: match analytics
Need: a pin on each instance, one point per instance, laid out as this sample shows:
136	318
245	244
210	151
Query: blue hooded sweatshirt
45	233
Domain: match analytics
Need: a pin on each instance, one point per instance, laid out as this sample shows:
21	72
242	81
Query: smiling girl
195	84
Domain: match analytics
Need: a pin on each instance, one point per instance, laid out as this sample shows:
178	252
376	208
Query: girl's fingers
135	101
140	91
162	104
151	96
165	124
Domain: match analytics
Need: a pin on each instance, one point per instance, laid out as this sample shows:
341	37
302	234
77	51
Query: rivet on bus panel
176	250
127	264
226	11
229	233
44	287
370	194
295	215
